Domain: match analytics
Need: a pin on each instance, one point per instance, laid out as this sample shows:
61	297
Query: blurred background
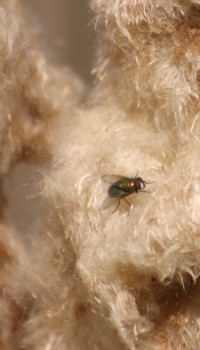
64	33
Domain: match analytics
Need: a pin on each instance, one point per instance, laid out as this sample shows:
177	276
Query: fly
121	187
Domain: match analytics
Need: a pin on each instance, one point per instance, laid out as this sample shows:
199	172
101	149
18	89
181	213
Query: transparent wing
111	179
108	202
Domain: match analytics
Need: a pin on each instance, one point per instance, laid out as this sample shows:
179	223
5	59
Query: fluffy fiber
102	280
32	92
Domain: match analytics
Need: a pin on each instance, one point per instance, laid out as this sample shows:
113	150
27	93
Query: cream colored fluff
102	280
32	92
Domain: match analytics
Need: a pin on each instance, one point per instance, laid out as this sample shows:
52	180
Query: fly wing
111	179
108	202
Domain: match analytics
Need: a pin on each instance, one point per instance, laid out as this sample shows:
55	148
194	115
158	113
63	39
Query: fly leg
116	207
128	205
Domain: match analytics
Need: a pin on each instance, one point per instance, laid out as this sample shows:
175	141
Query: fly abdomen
114	191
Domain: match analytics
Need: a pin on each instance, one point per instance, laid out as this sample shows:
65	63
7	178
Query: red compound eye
139	184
